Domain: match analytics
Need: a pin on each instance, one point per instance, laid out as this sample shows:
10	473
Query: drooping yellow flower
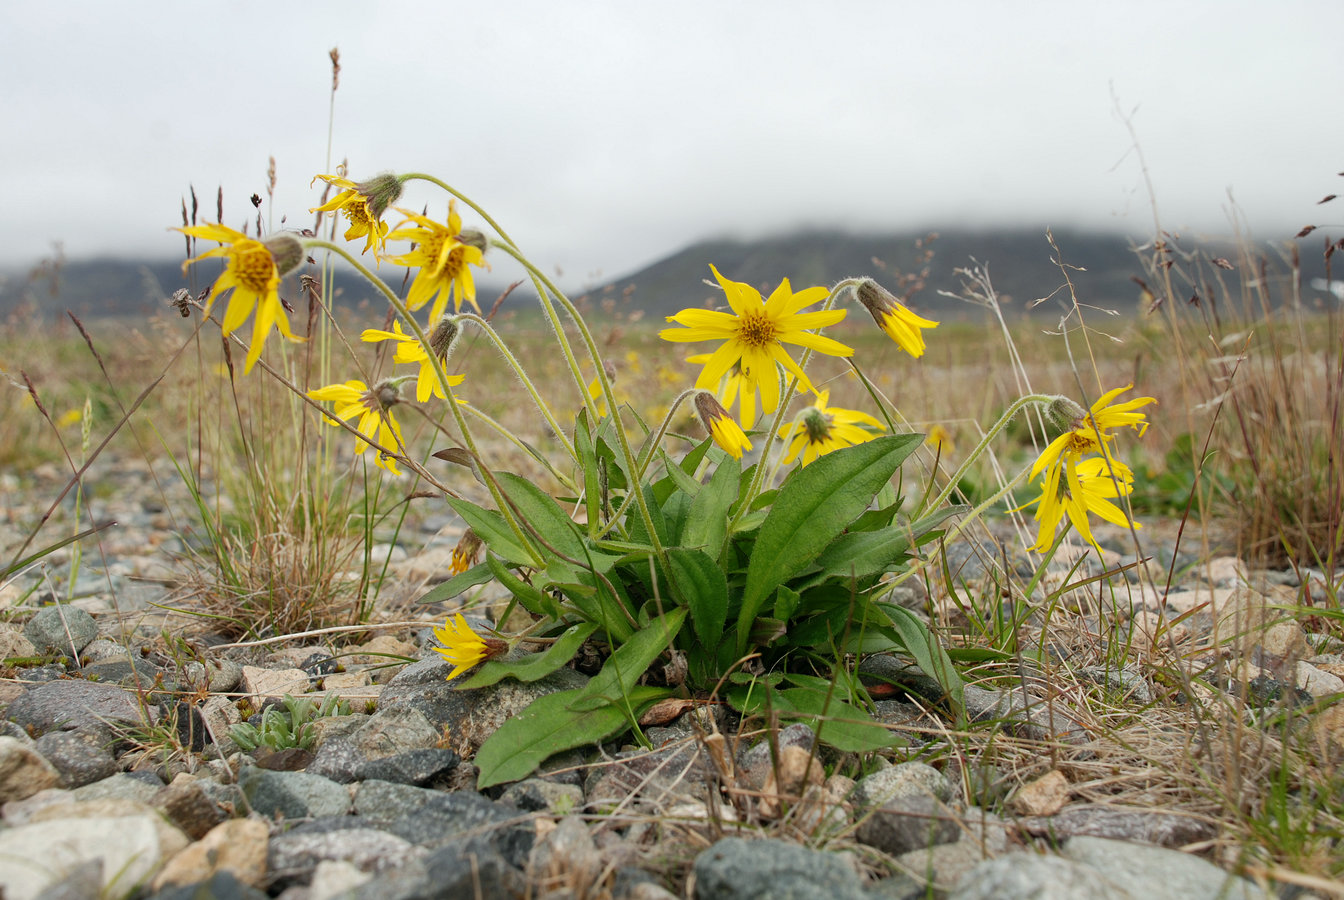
363	204
444	261
820	429
464	553
721	427
410	350
1088	431
901	324
1089	486
464	648
252	272
374	408
754	334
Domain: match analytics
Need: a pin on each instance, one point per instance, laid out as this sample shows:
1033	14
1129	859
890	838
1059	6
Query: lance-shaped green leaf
540	511
628	662
707	523
928	653
477	574
861	554
533	600
551	724
534	666
702	586
814	505
840	724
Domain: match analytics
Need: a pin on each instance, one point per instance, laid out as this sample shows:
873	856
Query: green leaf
813	506
865	553
707	523
628	662
928	653
703	588
477	574
550	725
491	528
535	666
541	512
787	602
533	600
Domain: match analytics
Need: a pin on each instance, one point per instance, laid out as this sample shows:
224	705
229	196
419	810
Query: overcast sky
605	135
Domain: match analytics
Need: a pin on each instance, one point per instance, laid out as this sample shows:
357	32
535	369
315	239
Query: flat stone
1149	826
295	853
1316	682
261	684
415	767
14	645
55	704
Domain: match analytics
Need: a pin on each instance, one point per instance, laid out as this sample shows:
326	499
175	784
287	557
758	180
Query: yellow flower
731	386
410	350
252	272
1086	487
1088	430
820	430
363	205
443	259
374	408
462	647
465	552
720	425
941	439
754	334
894	317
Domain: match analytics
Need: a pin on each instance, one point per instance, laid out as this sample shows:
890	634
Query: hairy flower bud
287	251
386	393
721	427
442	337
380	192
473	238
1065	413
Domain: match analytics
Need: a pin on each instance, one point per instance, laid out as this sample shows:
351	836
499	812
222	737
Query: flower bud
473	238
817	424
386	393
1064	413
380	192
442	337
879	301
287	251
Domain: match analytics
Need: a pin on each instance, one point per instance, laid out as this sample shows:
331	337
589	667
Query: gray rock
294	854
138	786
82	757
1029	876
456	872
103	650
382	802
392	731
294	795
638	779
61	630
1029	717
739	869
469	716
23	770
415	767
57	704
540	795
1148	826
338	760
81	882
1127	683
905	808
129	673
445	817
1157	872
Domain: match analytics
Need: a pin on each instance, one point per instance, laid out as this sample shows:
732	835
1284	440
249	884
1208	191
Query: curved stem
1008	415
421	176
518	370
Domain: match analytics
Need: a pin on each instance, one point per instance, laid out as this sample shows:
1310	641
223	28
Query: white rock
261	683
1318	683
43	853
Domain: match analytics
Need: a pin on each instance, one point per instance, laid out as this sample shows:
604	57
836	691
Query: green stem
643	462
603	381
405	314
517	367
980	448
